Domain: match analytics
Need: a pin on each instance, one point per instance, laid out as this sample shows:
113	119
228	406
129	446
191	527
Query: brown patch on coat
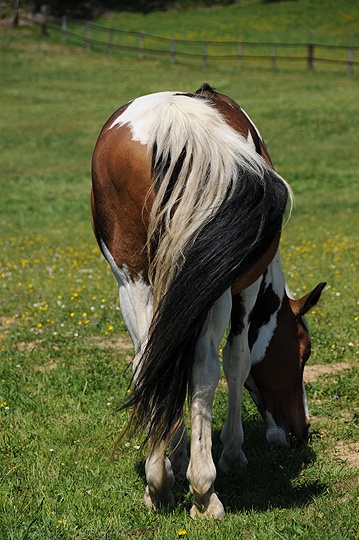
120	199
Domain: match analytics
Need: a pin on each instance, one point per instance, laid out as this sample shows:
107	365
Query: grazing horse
187	209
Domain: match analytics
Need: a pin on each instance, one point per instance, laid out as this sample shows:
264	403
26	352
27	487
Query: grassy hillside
64	353
299	21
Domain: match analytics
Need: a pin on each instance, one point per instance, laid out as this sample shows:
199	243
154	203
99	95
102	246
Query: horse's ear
302	306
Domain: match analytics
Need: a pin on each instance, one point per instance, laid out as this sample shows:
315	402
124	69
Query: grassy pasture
64	352
330	22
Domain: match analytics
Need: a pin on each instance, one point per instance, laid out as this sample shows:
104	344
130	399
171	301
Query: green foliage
64	352
91	8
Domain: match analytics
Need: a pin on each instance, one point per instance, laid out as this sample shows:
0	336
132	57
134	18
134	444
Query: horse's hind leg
136	305
136	301
161	471
160	479
205	376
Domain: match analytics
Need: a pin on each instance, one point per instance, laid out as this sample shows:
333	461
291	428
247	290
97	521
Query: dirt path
313	373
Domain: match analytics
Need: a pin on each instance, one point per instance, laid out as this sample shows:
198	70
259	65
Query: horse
188	211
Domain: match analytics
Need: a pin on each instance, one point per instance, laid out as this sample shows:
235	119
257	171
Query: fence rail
110	40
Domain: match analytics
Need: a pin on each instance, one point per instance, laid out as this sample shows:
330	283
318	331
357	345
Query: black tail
227	246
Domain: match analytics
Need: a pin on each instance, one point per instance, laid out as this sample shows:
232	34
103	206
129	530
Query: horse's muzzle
288	438
299	437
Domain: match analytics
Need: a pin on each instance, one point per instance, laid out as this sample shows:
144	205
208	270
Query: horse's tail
218	207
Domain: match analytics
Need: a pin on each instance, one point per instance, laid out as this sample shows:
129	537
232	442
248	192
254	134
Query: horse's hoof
214	509
154	501
226	465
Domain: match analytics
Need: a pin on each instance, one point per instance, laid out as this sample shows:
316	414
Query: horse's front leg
237	365
204	380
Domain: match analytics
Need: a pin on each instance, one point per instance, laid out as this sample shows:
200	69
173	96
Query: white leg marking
136	305
205	376
237	365
161	470
160	480
136	301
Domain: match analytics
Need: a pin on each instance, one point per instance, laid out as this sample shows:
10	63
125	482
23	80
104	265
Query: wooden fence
144	45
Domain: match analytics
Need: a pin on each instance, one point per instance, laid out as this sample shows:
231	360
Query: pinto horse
187	209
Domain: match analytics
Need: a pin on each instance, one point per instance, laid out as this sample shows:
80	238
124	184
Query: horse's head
276	382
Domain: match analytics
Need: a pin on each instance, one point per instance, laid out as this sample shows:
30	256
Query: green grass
59	388
330	22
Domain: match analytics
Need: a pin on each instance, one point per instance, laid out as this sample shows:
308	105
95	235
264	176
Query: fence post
350	60
173	51
310	57
204	55
64	28
15	13
273	55
239	55
44	19
88	36
141	45
110	41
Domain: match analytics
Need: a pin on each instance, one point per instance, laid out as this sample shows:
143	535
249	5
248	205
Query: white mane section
214	152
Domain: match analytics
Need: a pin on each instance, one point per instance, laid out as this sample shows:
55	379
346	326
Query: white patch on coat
275	278
140	115
136	301
252	123
305	401
250	139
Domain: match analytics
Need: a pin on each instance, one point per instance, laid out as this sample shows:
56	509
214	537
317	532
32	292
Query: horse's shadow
274	477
